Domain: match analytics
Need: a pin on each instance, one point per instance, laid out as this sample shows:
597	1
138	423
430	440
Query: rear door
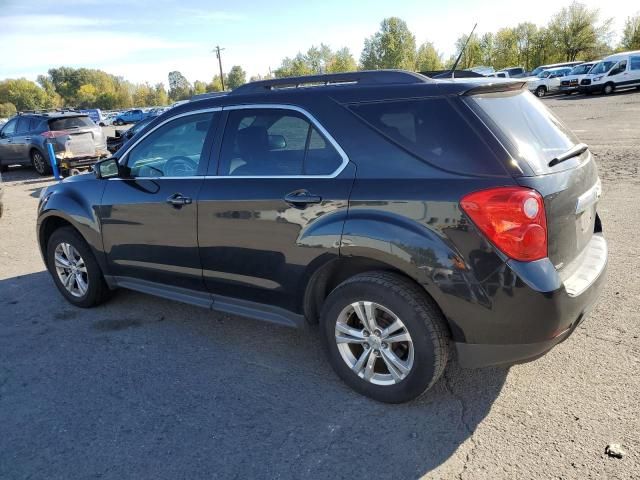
276	206
149	219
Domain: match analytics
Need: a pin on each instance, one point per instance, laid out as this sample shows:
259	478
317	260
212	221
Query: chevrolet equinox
410	217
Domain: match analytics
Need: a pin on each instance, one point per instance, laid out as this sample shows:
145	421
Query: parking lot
146	388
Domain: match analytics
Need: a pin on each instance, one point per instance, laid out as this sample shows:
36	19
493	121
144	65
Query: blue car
131	116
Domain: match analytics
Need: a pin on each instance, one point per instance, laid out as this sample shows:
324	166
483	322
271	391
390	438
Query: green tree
179	86
7	110
293	67
23	94
505	48
576	31
160	95
526	34
631	33
472	55
393	46
341	61
199	87
487	49
236	77
216	85
428	58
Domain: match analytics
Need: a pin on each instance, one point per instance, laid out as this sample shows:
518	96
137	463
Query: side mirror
108	168
277	142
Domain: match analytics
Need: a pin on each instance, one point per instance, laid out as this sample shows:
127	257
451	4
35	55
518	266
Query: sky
144	40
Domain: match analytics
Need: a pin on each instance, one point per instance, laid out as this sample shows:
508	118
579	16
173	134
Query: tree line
574	32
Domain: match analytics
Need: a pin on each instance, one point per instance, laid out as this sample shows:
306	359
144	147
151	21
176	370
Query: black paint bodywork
240	247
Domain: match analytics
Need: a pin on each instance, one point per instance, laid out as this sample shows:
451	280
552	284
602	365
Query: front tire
608	89
40	163
541	91
74	269
385	337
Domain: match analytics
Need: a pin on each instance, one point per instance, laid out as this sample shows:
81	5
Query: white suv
547	81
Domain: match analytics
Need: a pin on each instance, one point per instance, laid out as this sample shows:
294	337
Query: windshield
580	69
528	129
602	67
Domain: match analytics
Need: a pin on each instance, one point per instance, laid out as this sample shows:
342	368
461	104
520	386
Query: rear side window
432	130
635	63
70	122
275	142
526	127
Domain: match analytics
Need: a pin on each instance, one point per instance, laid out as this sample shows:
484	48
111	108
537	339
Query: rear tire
40	163
74	269
407	351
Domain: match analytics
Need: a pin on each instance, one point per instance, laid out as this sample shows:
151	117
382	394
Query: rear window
67	123
432	130
526	127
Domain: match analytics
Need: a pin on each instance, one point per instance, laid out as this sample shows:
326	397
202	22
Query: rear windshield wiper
578	149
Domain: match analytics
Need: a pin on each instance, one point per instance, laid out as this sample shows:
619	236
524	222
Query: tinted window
274	142
10	127
529	130
70	122
173	150
434	131
23	125
36	124
635	63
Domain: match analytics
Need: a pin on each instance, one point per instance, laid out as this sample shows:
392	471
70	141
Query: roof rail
365	77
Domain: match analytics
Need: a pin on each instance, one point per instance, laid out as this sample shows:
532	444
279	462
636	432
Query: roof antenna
453	69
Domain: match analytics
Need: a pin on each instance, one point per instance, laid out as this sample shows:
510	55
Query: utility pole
218	50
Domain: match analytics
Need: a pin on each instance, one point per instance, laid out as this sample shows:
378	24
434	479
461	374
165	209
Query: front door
149	219
276	207
7	151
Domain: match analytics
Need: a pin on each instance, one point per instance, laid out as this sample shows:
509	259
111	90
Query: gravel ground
146	388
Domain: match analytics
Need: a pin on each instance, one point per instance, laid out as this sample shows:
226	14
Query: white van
621	70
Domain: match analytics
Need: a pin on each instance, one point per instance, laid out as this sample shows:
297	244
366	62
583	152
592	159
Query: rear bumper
542	309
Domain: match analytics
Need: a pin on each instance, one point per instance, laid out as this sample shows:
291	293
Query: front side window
173	150
274	142
621	67
10	127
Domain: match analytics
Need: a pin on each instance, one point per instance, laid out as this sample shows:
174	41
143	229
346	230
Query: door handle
27	139
300	198
178	200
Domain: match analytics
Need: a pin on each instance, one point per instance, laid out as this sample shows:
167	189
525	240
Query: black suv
410	217
77	141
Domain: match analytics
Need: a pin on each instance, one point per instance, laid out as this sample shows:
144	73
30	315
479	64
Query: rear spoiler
493	87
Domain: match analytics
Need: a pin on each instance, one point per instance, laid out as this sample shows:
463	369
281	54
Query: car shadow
141	384
24	174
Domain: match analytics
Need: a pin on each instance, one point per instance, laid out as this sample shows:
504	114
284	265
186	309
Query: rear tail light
512	218
54	133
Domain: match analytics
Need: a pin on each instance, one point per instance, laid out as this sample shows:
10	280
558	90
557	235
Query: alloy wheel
374	343
71	269
38	163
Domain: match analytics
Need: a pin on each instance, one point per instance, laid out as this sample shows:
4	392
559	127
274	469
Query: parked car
511	72
122	137
76	140
571	82
547	81
107	119
541	68
94	114
481	69
410	217
1	193
130	116
614	72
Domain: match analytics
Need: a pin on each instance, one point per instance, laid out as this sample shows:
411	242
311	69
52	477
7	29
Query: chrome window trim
302	111
311	119
164	122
